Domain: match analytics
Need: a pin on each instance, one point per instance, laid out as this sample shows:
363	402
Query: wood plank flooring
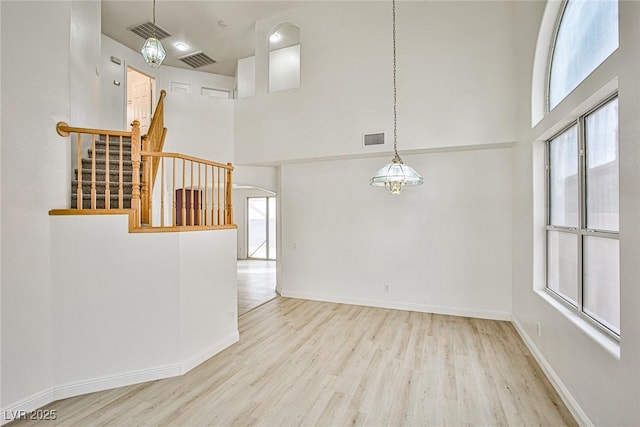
311	363
256	284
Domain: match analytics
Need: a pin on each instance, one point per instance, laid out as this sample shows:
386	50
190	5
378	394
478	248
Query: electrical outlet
386	287
538	329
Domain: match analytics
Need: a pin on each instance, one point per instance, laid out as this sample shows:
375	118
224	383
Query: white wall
200	126
84	64
35	96
1	137
257	176
444	247
284	68
113	111
246	72
455	72
599	387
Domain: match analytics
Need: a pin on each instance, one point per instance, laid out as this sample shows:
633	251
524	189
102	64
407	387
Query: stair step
101	153
100	203
114	187
101	164
114	175
113	145
112	139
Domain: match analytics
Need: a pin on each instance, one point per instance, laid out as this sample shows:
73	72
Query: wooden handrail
114	166
180	156
158	119
64	130
152	141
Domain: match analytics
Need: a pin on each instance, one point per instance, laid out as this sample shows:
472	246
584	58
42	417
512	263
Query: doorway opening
141	90
256	248
261	228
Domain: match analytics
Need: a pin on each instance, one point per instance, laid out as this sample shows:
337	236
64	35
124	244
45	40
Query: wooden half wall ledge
132	221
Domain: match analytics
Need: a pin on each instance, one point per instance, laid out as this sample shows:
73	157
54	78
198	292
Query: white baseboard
209	352
78	388
572	404
26	405
421	308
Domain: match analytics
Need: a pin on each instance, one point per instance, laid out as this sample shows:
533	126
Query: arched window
581	197
587	34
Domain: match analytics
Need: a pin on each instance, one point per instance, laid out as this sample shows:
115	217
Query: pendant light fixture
396	175
152	50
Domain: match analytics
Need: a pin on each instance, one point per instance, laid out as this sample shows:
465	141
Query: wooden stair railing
129	165
200	192
128	190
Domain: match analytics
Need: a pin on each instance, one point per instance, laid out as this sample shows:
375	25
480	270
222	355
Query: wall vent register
373	139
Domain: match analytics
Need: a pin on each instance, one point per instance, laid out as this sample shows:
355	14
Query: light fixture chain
395	96
154	19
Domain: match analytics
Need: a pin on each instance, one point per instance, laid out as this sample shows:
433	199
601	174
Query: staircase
117	177
100	154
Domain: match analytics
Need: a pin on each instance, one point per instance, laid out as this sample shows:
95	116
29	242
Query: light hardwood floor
256	284
312	363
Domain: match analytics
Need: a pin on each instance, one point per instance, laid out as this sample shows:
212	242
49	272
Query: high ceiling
224	30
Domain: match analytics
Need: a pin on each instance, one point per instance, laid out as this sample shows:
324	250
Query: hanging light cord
154	19
395	96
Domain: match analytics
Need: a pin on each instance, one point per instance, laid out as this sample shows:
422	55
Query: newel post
228	203
135	165
146	180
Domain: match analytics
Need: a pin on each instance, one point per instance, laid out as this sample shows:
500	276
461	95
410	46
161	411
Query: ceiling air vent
373	139
146	30
197	60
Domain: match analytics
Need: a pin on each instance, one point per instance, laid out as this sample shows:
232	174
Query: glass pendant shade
395	176
153	52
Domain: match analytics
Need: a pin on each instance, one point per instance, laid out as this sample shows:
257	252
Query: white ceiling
195	23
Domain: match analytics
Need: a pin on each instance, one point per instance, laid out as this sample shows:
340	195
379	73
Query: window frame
551	52
581	230
552	49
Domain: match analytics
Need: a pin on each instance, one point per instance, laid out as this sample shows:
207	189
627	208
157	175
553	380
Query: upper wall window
587	34
284	58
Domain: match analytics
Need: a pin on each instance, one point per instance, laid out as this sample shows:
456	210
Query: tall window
587	34
583	251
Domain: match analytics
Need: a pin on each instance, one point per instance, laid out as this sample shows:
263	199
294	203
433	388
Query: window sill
609	344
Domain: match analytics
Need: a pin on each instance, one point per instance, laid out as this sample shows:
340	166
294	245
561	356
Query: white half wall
208	294
134	307
444	247
115	297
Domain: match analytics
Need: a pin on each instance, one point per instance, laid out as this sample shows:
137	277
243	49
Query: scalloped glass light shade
395	176
153	52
